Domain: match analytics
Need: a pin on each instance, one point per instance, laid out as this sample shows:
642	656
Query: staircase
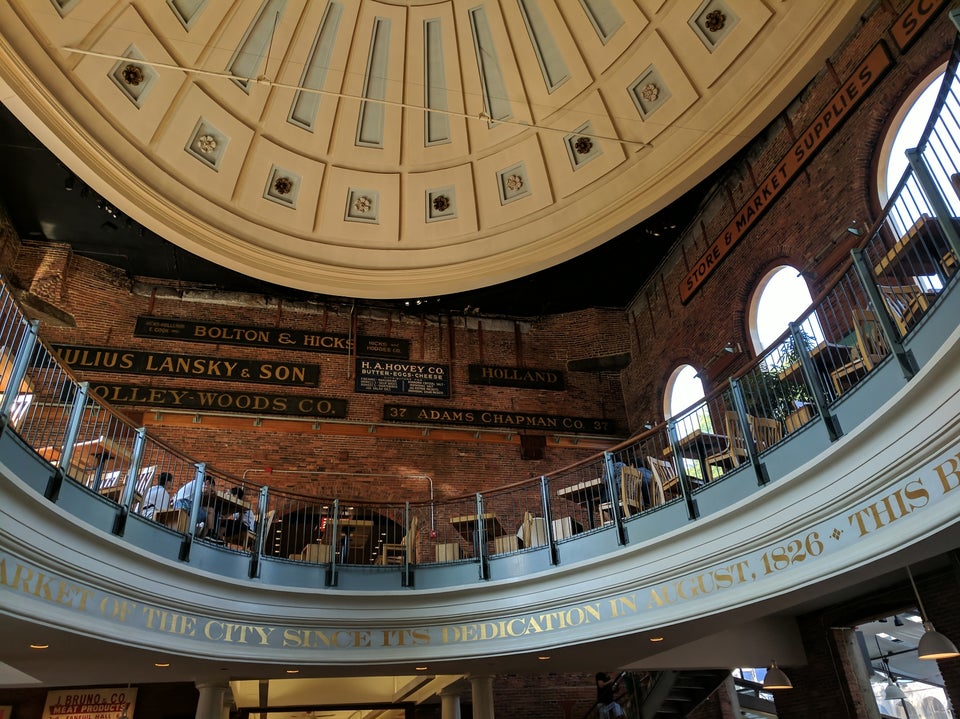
672	694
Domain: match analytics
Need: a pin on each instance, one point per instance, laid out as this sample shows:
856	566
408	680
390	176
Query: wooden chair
533	531
665	478
317	553
736	449
766	432
177	519
631	496
870	349
405	549
905	303
144	478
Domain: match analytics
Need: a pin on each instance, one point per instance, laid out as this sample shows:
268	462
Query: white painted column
212	704
449	704
481	686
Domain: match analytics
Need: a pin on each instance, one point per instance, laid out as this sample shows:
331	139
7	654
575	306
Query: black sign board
498	419
273	337
415	379
523	377
217	401
163	364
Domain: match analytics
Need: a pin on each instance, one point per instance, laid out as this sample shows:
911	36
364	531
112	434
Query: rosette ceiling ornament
402	148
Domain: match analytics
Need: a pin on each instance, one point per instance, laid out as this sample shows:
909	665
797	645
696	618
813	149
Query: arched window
904	134
933	708
683	401
684	389
780	298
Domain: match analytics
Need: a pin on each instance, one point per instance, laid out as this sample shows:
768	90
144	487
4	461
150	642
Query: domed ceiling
409	147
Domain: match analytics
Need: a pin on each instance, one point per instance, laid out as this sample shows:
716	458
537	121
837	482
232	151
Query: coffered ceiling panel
403	147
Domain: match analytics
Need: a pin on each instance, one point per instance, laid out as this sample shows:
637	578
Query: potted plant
776	388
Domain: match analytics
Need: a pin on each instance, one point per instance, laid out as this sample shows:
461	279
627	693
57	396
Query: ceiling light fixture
892	691
543	657
39	646
932	645
293	671
775	678
421	669
656	639
161	665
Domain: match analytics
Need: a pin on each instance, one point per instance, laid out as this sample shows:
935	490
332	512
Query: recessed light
421	669
656	639
543	657
39	646
161	665
293	671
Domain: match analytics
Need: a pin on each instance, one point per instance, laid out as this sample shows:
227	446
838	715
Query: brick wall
105	305
804	227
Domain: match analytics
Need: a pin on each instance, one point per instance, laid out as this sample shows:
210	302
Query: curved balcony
806	474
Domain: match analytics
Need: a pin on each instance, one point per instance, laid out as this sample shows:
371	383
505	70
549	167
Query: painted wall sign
904	501
163	364
914	19
498	419
218	401
813	138
87	703
416	379
168	328
523	377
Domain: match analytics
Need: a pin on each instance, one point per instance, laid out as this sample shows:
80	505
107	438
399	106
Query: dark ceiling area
47	203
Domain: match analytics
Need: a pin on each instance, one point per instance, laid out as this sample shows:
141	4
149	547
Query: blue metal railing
892	282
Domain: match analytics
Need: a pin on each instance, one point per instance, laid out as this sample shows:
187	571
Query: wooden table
589	493
699	445
223	503
88	459
922	247
470	525
826	357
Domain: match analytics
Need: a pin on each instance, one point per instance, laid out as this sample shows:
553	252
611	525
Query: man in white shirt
183	499
157	497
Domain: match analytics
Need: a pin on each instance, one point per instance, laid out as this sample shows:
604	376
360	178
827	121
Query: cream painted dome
400	148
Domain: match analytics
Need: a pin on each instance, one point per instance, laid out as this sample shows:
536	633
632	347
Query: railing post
334	544
759	468
813	383
406	579
939	206
19	370
130	488
260	533
693	511
613	495
198	478
548	518
905	358
480	540
52	491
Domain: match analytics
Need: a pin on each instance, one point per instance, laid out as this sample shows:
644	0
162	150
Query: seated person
157	498
238	522
183	499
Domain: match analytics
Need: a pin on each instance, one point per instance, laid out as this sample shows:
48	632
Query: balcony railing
886	292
